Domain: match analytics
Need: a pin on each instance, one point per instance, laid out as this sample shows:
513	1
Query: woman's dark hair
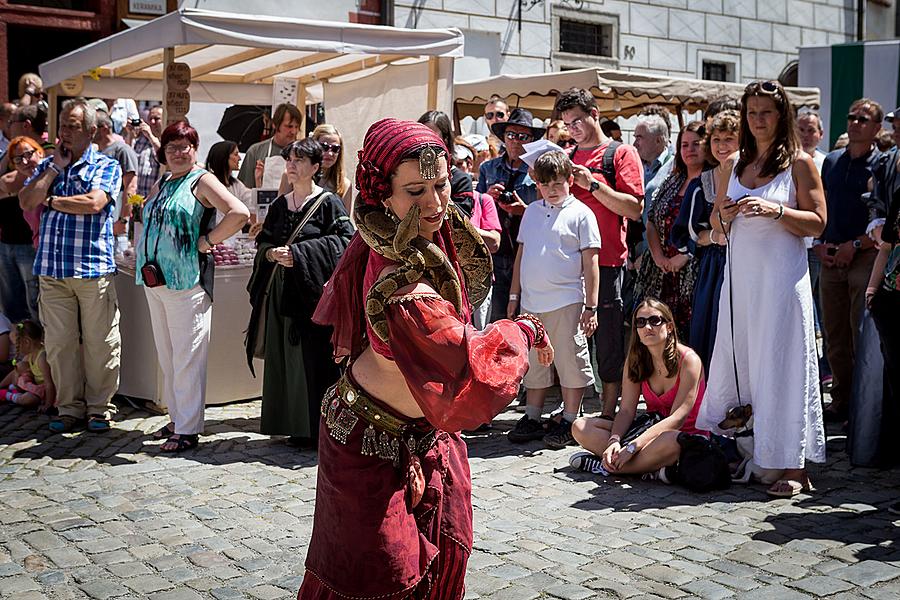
721	104
698	127
307	147
442	122
786	144
639	359
217	161
30	329
176	131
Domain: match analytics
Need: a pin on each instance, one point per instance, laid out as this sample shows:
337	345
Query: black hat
520	117
894	113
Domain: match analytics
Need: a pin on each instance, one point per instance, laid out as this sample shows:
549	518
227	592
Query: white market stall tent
618	93
361	72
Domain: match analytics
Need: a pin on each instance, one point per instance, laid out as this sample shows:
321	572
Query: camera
136	122
506	198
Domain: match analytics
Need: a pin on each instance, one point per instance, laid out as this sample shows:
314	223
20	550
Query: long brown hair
639	359
698	128
786	145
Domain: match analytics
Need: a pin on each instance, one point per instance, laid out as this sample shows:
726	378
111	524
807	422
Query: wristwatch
857	244
590	308
631	448
595	185
50	200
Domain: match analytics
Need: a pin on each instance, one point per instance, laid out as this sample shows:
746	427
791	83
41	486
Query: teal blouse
171	232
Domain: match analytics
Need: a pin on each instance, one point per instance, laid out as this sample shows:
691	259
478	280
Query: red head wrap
386	144
342	306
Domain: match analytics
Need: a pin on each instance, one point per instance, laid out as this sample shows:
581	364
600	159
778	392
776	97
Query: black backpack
702	466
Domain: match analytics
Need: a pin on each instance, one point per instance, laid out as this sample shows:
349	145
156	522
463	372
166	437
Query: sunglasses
522	137
863	119
335	148
23	158
654	321
494	113
770	87
565	143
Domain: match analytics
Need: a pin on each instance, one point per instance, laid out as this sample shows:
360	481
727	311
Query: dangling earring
390	213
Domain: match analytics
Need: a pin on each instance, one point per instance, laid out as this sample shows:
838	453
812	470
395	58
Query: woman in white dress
772	198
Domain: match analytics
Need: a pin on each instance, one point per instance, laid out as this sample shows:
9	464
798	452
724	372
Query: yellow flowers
135	200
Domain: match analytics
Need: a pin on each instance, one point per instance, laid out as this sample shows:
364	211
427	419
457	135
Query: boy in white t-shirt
557	274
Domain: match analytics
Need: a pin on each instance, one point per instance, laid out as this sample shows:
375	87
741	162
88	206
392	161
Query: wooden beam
228	61
432	82
155	59
53	117
366	63
301	104
290	65
168	58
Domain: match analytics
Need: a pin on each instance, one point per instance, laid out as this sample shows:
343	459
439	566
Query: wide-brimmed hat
894	113
520	117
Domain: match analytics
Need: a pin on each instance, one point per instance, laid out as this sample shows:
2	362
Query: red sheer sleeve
460	377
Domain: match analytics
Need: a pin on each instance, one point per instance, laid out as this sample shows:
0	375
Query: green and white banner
845	72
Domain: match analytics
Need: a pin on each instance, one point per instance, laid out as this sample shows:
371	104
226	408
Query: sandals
166	431
788	488
182	442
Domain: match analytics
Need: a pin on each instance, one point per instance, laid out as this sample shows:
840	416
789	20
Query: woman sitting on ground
670	377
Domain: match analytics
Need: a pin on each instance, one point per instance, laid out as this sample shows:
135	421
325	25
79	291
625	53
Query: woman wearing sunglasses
669	375
769	197
19	292
331	177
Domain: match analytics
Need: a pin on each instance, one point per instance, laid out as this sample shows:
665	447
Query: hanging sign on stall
147	7
178	103
178	76
73	86
284	91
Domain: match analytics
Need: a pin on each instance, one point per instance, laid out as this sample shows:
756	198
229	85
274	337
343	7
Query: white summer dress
774	340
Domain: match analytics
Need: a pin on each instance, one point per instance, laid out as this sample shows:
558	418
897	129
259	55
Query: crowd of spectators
711	255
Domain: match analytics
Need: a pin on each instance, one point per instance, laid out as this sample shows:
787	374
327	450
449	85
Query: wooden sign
178	76
73	86
178	104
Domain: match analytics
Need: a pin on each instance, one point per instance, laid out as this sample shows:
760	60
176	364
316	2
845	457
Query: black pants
886	314
609	339
503	271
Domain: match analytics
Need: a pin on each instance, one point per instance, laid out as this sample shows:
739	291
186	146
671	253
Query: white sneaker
588	462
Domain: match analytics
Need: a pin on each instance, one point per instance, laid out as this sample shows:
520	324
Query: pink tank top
662	404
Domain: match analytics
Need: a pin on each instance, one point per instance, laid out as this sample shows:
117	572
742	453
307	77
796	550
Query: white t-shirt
553	238
6	327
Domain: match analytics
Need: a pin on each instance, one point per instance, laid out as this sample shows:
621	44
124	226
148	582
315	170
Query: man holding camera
506	180
144	139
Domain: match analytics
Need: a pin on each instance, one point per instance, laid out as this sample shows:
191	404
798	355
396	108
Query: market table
228	378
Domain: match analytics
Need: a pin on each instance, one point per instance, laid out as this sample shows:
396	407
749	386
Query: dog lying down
740	418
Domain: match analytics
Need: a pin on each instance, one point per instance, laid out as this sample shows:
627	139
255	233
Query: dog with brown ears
740	419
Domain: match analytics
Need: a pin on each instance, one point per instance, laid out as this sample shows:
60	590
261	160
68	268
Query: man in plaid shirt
78	187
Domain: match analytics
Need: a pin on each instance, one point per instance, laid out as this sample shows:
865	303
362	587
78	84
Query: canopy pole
301	106
168	59
432	82
680	114
52	131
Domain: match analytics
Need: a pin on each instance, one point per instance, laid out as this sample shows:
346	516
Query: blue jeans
19	292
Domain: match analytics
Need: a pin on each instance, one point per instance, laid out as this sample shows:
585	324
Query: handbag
259	346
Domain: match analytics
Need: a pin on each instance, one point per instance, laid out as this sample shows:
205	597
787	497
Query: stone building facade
732	40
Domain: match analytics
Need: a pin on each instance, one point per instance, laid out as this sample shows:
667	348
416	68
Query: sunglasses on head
522	137
863	119
654	321
330	147
494	113
770	87
565	143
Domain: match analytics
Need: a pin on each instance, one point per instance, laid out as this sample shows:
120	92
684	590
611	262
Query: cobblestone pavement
106	516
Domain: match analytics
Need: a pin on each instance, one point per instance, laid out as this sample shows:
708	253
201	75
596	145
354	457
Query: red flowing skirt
368	543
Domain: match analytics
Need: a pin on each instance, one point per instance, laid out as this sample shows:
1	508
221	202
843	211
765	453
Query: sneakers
526	430
560	436
588	462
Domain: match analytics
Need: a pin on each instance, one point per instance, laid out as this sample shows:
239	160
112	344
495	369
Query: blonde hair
335	174
32	78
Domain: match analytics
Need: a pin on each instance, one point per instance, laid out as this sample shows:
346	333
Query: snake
419	258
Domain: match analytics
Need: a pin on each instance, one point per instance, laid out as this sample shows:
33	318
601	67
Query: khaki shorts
571	358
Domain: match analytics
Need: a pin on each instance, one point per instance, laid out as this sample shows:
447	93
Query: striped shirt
148	167
81	246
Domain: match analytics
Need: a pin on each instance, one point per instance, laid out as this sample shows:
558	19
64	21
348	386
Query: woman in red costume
393	502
